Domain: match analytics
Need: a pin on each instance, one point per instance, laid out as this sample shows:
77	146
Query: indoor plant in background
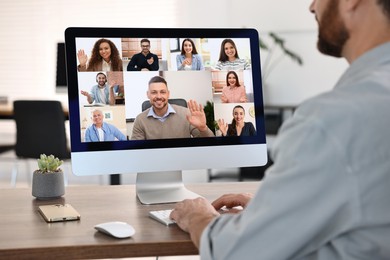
275	54
48	180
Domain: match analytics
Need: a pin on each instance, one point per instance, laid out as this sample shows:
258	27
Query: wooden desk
25	234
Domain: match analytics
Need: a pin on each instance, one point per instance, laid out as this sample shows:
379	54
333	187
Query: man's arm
138	130
87	137
193	216
132	63
154	66
117	133
290	201
112	93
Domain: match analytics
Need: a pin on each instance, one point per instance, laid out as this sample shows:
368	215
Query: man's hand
197	117
232	200
85	93
193	216
150	61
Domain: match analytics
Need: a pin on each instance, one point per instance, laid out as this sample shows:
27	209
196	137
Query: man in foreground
327	194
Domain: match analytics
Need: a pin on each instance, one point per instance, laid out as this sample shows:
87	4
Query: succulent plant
47	164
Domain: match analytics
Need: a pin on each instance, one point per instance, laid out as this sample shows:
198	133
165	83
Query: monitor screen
158	101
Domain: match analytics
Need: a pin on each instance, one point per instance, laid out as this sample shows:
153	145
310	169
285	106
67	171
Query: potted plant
48	180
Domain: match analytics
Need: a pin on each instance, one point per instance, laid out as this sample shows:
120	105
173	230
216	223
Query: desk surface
25	234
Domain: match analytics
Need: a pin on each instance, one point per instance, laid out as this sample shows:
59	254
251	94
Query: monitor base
162	187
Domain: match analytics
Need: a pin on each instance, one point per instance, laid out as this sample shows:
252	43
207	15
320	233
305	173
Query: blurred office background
30	31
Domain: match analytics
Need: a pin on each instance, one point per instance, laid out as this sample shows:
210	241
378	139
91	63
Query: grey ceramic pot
46	186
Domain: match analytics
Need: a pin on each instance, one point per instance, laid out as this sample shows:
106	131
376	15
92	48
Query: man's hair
101	73
145	40
158	79
385	6
96	110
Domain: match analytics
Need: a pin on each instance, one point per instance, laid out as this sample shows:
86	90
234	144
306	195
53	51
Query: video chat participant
229	58
145	60
238	127
101	131
163	120
327	194
105	57
101	93
189	59
233	92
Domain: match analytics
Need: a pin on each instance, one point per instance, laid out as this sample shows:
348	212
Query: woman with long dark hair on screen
229	59
233	92
105	57
238	127
189	59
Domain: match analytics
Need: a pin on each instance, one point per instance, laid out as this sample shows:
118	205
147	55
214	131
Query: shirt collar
161	118
371	58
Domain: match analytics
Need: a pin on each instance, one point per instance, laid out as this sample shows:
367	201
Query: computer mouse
116	229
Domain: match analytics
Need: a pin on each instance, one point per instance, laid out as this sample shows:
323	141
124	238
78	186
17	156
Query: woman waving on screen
238	127
104	57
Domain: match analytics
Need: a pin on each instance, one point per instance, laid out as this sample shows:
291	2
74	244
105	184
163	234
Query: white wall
30	30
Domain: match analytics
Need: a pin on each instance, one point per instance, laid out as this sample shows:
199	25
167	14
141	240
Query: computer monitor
158	158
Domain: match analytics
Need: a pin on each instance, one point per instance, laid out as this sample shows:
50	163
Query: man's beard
332	31
163	100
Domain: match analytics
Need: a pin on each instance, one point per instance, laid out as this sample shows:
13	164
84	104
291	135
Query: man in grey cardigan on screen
164	120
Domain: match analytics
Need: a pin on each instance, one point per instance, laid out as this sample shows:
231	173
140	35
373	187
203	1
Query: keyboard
162	216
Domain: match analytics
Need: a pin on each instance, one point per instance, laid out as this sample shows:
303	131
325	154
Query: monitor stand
162	187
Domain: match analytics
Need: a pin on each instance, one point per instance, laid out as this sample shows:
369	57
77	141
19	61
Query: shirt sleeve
155	65
218	66
252	130
132	63
138	131
87	136
200	62
302	203
93	94
247	66
179	62
119	135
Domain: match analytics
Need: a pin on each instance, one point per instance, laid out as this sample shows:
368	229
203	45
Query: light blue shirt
97	98
111	133
196	64
328	194
165	116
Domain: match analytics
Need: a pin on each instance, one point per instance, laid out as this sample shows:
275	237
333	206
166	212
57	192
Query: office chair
175	101
40	128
